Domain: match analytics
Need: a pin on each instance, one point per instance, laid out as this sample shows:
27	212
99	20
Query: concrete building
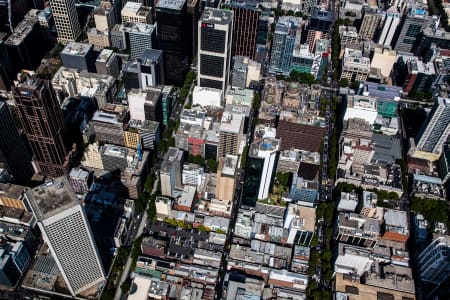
354	65
107	63
230	134
66	20
120	36
135	12
144	133
145	104
214	55
192	175
71	83
142	37
415	20
67	232
14	260
108	128
79	180
389	28
144	72
104	16
170	173
226	178
371	21
79	56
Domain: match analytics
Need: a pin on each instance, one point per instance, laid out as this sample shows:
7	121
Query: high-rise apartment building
283	45
434	132
66	20
214	54
414	21
245	26
391	22
175	39
65	228
230	134
41	117
372	19
14	156
262	161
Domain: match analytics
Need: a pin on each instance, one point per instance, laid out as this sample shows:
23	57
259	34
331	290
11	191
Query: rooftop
21	31
51	198
170	4
216	16
77	49
104	55
231	122
229	165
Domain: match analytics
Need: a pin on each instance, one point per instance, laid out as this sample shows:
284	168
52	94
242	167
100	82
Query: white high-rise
65	228
390	25
66	20
215	31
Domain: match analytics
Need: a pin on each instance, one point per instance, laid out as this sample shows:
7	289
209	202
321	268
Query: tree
283	178
198	159
212	165
244	157
256	100
355	85
343	83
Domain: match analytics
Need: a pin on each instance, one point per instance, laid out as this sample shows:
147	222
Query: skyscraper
434	131
170	172
40	114
65	228
283	45
175	39
262	160
13	154
230	134
66	20
370	22
214	54
245	27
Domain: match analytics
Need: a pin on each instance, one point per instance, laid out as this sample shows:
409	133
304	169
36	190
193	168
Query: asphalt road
126	271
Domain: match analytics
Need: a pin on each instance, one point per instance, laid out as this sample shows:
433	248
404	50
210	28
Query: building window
351	290
384	296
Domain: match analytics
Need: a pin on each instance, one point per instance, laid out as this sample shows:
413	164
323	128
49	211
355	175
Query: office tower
444	164
414	21
79	56
283	45
66	20
230	134
142	37
214	54
26	46
6	68
175	39
434	264
13	155
194	8
148	71
372	19
321	20
245	71
226	178
434	132
262	161
430	39
64	226
41	117
170	173
120	36
192	174
355	66
134	12
390	25
245	26
145	104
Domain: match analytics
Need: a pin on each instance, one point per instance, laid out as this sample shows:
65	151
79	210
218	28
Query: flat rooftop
51	198
229	165
216	16
20	32
231	122
104	55
76	49
170	4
